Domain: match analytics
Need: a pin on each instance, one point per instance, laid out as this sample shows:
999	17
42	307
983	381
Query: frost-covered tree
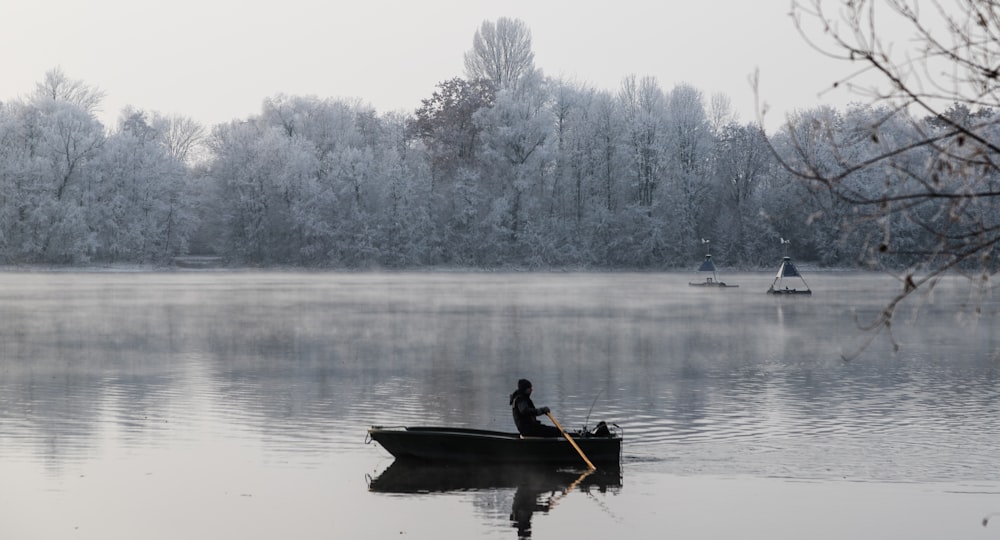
53	216
501	53
608	130
74	193
265	175
182	137
21	182
515	134
402	195
323	182
139	206
687	148
572	187
637	231
743	164
809	135
643	107
720	112
57	86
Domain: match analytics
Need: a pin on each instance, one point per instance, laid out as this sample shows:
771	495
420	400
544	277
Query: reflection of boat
787	270
537	487
409	476
709	273
461	445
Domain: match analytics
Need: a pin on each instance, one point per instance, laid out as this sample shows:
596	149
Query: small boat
785	271
462	445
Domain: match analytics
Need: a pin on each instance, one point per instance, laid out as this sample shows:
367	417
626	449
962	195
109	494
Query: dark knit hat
523	384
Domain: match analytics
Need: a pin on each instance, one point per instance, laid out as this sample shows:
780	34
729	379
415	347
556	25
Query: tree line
503	167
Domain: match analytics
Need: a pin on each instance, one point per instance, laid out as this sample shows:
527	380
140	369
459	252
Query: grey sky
216	60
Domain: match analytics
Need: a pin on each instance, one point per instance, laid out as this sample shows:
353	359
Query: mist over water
233	394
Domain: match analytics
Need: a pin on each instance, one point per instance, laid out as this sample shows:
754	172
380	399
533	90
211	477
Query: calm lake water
235	405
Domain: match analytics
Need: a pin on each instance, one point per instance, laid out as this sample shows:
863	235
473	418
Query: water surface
235	404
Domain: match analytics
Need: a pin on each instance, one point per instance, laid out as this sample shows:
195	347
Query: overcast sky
217	60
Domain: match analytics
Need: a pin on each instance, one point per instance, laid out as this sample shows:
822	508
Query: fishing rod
587	421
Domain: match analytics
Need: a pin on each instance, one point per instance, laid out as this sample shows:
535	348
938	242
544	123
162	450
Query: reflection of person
525	413
526	503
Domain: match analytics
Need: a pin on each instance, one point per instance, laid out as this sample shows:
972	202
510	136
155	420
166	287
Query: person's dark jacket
525	417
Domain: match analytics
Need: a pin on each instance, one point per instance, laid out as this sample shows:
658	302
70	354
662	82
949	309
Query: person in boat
526	415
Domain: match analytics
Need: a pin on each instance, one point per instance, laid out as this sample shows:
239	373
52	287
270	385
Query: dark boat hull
460	445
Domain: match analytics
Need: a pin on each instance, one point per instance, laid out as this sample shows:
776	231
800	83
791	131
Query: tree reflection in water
536	489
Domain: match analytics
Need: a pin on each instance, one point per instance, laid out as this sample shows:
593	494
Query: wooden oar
571	441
